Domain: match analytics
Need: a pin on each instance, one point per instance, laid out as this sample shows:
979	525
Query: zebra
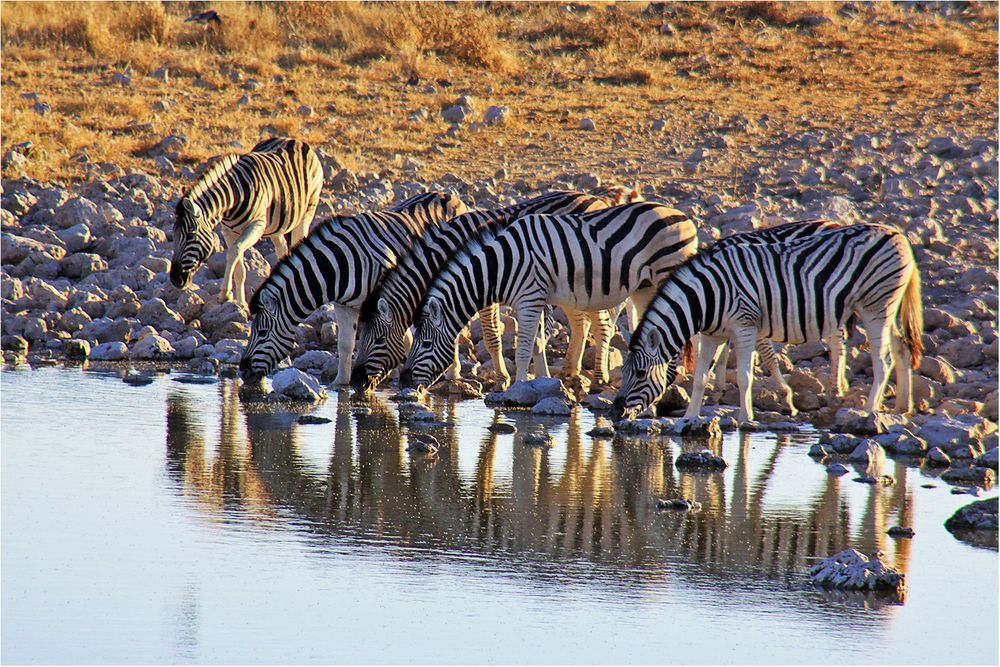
794	292
789	231
339	262
587	262
272	192
388	312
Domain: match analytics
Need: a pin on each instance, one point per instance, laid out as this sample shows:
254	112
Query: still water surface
171	523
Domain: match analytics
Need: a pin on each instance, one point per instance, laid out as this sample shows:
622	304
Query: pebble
837	469
881	480
420	443
683	504
539	440
502	428
601	432
900	531
703	459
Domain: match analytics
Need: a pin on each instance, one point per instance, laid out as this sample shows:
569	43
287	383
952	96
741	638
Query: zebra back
789	231
406	284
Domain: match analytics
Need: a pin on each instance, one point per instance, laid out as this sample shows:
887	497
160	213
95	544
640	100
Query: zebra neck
682	309
216	200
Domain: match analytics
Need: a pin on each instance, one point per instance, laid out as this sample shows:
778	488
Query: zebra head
194	242
270	338
433	347
381	346
647	372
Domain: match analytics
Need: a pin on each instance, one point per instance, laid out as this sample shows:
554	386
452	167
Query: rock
978	475
420	443
76	238
703	427
703	459
964	352
980	515
551	405
900	531
158	315
852	570
137	380
937	370
850	420
502	428
682	504
406	396
632	426
539	440
837	469
937	457
76	211
587	125
496	115
16	249
76	348
526	393
293	384
152	347
110	351
456	113
988	459
601	432
882	480
818	451
15	344
950	432
870	453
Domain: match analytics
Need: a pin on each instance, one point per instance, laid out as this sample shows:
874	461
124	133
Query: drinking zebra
388	312
587	262
272	192
789	231
340	262
793	292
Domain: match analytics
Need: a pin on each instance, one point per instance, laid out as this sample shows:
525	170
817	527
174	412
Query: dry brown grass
350	61
954	44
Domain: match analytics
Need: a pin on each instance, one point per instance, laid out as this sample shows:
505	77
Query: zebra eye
641	372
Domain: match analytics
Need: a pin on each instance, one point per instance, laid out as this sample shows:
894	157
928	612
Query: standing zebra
388	312
587	262
793	292
768	357
272	192
340	262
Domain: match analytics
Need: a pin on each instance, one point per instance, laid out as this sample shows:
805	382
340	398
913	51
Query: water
171	523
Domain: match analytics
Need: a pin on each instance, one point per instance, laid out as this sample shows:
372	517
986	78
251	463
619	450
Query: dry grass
954	44
551	63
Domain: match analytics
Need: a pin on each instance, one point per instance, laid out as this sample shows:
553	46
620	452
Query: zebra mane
684	267
218	168
278	270
485	235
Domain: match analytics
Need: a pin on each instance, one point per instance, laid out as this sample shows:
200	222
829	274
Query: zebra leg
706	354
838	364
529	316
879	333
769	359
640	300
745	346
280	245
604	327
490	320
579	329
721	364
538	346
902	360
347	329
237	245
454	372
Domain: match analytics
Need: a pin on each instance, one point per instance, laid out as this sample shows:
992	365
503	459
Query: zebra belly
596	301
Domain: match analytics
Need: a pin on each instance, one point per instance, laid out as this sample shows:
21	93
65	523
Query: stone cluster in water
852	570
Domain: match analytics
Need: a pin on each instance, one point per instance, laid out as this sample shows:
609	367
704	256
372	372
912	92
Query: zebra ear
383	309
652	339
187	206
434	313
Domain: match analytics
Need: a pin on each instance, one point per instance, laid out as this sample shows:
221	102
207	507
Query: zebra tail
911	315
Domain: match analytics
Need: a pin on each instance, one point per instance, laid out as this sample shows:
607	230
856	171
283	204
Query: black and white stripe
272	192
588	262
784	233
792	292
339	263
387	314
